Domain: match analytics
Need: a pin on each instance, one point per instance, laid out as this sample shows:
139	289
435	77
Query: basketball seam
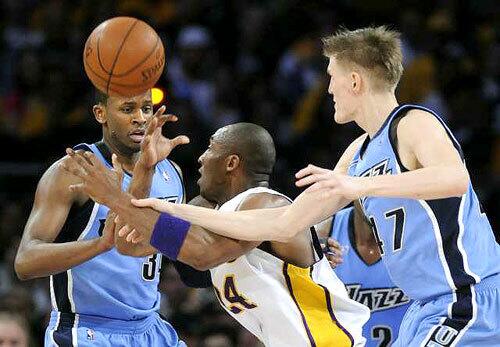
118	53
140	63
104	79
99	56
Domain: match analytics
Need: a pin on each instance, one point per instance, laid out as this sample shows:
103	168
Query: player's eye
147	109
127	109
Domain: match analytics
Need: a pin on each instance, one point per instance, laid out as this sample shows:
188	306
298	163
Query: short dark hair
100	97
254	145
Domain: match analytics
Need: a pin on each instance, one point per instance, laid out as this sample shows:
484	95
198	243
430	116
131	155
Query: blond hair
376	49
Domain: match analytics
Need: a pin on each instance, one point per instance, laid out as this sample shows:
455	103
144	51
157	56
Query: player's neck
374	111
127	160
239	186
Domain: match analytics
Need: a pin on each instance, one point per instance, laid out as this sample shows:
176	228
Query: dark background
228	61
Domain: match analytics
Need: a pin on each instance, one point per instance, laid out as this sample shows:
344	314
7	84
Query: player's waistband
488	283
75	320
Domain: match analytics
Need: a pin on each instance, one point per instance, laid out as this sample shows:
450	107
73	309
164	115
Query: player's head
124	119
361	62
241	153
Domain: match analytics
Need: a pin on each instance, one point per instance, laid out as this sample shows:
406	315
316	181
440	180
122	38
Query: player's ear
232	162
356	82
99	113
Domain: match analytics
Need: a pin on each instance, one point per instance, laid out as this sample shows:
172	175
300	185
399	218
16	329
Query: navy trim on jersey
61	294
368	139
401	112
62	334
449	228
446	332
75	223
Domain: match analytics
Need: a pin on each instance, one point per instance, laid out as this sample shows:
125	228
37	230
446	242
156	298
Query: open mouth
137	135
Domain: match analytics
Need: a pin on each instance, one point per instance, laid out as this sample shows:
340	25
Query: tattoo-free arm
37	255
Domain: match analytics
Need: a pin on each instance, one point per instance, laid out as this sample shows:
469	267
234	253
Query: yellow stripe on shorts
315	306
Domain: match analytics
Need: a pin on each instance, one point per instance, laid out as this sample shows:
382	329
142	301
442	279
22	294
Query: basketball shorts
79	330
470	317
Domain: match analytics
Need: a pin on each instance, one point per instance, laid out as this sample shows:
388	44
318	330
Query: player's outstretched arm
38	255
436	169
272	224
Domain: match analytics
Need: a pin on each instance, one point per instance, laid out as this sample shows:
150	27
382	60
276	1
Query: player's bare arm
276	224
38	255
436	169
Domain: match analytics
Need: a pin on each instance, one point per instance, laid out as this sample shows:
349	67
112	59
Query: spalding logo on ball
124	56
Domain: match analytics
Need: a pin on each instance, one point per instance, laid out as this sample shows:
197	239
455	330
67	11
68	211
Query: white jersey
286	305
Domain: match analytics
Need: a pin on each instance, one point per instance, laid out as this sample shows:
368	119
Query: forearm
139	188
204	250
427	183
273	224
41	259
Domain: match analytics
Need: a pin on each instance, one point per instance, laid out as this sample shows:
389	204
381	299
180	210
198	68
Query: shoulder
417	122
263	200
56	180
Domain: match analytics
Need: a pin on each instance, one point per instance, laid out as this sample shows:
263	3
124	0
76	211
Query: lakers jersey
286	305
369	285
430	247
111	285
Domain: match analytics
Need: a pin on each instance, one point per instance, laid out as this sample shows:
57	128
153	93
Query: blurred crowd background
229	61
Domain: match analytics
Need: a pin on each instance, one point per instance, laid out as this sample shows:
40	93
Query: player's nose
139	117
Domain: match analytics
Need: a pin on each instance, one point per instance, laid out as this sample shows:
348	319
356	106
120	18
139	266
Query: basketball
123	56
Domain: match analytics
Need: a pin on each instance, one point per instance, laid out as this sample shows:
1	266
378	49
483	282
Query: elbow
461	184
22	270
203	262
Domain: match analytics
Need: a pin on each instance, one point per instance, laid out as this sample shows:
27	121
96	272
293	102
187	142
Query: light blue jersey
369	285
431	248
110	286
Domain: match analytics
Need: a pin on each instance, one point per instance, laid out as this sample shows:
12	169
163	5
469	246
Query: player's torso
435	242
285	305
110	284
369	285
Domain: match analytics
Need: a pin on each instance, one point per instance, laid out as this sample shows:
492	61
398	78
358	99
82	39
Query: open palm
155	147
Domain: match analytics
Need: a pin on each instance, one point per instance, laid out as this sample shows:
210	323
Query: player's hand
331	183
333	251
155	147
107	240
156	204
97	181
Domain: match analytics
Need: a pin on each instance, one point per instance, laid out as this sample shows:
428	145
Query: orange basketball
123	56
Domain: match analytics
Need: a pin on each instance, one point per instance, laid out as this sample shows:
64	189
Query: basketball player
100	297
409	173
284	293
365	276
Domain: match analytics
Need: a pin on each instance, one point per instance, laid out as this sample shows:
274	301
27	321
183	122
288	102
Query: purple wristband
169	234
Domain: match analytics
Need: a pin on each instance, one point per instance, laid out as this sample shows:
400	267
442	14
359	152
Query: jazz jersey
111	285
369	285
285	305
430	247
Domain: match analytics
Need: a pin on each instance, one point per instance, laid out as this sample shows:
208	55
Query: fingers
179	140
117	167
309	170
124	231
313	178
167	118
153	123
159	112
149	202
